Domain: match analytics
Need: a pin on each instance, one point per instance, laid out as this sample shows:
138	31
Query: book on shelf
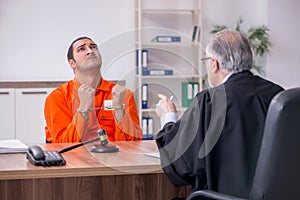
196	34
166	38
147	128
189	91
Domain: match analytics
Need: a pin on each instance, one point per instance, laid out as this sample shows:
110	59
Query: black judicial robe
215	144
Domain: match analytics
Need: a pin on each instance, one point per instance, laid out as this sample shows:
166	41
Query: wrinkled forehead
83	42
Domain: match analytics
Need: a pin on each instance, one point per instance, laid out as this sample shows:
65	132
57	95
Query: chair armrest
212	194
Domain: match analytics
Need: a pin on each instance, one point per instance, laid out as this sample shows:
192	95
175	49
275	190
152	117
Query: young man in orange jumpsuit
77	109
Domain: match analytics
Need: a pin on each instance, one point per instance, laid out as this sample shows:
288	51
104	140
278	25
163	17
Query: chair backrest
277	173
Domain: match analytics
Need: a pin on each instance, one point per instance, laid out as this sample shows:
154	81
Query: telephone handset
37	156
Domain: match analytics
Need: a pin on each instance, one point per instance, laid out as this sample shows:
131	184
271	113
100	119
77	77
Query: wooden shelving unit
167	18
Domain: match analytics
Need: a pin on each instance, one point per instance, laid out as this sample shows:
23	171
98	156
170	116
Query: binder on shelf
144	126
144	58
157	72
137	63
143	61
147	128
145	95
150	128
189	91
196	34
166	38
195	89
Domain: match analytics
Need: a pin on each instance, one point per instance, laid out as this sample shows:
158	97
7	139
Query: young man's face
86	55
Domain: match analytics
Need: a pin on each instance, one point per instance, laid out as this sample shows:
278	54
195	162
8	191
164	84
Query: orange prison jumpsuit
65	123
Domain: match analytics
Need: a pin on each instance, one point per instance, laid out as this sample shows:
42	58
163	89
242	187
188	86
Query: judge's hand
86	96
118	93
164	105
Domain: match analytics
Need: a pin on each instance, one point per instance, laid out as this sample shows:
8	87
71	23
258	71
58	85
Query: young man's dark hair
70	50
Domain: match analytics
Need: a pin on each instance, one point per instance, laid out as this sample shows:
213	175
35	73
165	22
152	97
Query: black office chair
277	174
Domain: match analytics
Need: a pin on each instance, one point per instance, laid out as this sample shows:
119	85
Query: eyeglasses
205	58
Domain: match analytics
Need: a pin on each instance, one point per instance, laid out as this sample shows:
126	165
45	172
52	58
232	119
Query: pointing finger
162	97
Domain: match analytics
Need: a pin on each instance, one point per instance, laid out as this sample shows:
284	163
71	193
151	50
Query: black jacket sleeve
179	144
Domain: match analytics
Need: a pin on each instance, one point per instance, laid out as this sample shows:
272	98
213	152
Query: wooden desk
127	174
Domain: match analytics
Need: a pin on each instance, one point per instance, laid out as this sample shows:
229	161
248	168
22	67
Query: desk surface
81	162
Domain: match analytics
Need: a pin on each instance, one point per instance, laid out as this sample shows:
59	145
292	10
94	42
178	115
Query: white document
12	146
155	154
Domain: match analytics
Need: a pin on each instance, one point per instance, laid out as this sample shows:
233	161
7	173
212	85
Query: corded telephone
37	156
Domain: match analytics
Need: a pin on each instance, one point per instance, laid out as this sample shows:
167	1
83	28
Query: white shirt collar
226	77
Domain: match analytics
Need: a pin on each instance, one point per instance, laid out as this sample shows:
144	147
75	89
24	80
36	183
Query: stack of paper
12	146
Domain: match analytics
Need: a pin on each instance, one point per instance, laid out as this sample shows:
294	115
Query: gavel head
103	136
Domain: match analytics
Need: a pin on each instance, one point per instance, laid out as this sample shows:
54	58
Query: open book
12	146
